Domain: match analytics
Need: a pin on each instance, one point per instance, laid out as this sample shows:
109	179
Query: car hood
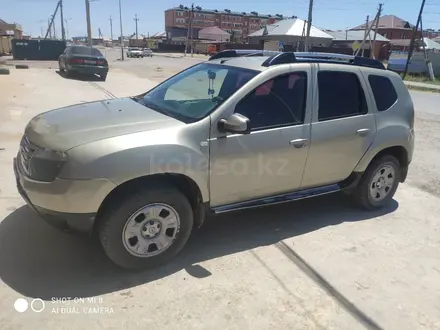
65	128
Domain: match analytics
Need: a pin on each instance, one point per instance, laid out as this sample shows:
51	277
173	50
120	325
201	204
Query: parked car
84	60
224	135
147	52
135	52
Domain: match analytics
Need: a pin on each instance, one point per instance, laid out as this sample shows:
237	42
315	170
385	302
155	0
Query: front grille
27	150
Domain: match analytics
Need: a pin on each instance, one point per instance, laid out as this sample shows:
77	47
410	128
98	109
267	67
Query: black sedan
83	60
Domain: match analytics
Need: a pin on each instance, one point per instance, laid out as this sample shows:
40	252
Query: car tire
60	67
379	183
103	77
115	237
67	73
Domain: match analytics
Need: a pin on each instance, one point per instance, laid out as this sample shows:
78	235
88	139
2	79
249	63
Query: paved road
317	264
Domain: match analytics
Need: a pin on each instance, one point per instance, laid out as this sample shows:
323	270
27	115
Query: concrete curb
422	86
4	71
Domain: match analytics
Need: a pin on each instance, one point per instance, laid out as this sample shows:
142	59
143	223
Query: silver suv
227	134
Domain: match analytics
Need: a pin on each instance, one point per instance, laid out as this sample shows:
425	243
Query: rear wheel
379	183
60	67
146	228
103	76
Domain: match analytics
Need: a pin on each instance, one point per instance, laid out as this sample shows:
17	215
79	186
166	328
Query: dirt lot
317	264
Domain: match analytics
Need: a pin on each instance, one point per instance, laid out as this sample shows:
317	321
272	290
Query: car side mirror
236	123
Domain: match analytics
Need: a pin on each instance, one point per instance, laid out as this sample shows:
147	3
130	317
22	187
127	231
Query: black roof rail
296	57
281	58
351	59
242	52
276	58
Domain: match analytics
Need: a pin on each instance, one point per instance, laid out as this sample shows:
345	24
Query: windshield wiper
152	105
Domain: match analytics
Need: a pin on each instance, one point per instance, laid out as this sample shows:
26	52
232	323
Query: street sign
355	46
280	46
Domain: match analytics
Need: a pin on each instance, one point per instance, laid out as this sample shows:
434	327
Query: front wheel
146	228
379	183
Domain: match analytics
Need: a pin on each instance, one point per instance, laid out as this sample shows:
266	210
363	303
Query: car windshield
194	93
86	51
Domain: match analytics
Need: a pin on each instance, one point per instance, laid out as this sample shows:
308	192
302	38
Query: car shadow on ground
78	76
41	262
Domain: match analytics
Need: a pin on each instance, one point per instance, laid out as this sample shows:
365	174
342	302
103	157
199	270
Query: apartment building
431	33
238	24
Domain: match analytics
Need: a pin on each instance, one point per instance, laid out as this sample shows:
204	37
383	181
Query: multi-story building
431	33
238	24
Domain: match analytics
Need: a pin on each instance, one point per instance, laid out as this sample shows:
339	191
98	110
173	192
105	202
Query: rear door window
384	92
340	95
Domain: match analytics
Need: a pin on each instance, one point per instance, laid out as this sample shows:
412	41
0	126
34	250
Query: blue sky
327	14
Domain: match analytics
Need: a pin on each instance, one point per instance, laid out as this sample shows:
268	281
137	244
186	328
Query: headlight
46	164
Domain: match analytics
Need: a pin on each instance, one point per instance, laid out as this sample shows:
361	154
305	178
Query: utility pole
309	26
373	47
411	44
111	28
53	26
302	36
63	32
67	28
49	29
122	35
136	19
365	34
427	61
376	18
192	37
89	24
188	32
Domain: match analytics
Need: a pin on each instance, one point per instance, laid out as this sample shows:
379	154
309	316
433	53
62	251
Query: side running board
278	199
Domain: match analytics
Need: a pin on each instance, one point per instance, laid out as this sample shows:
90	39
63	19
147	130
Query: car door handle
363	131
298	143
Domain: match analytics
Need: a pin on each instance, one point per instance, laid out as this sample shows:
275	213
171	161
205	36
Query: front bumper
69	205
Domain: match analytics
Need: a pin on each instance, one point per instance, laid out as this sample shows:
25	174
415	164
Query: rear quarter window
384	92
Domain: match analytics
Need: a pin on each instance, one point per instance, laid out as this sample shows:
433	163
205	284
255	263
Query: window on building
340	95
277	102
383	90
